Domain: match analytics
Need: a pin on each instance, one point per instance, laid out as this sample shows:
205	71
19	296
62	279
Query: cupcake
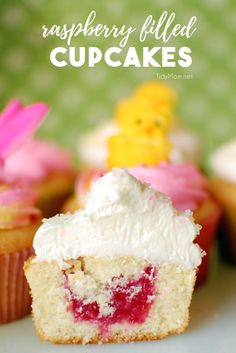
93	149
19	220
119	270
223	184
47	168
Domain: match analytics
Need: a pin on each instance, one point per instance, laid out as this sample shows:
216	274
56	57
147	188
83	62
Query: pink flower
17	123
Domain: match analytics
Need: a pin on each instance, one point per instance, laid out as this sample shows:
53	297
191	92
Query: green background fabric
81	98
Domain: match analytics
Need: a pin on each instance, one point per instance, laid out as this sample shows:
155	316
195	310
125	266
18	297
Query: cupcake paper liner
15	301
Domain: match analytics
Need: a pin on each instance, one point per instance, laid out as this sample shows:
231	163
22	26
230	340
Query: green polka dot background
81	98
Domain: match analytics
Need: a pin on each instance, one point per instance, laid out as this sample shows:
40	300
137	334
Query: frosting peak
122	217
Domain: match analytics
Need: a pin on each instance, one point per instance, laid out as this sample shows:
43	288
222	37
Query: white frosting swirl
223	162
122	217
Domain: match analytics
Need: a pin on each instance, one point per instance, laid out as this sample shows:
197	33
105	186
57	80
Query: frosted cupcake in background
19	218
38	164
185	144
223	183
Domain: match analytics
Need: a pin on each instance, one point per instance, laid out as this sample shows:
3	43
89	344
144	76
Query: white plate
212	327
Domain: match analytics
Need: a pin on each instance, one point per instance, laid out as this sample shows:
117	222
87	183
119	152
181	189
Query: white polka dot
218	84
119	90
214	4
14	16
220	125
199	65
230	20
43	79
36	4
164	3
96	113
70	97
94	77
34	38
17	59
217	44
184	17
137	23
195	108
72	16
233	107
116	8
179	86
233	62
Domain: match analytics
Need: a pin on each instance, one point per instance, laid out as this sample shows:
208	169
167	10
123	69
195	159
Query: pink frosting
17	206
35	160
182	182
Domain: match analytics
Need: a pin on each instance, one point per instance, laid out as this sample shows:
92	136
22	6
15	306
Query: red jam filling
130	302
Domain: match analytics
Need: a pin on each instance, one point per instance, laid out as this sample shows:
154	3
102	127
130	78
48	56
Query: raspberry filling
129	302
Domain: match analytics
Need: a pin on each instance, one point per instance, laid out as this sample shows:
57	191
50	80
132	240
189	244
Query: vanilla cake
121	269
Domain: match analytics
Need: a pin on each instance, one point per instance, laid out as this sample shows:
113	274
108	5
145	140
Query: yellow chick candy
138	119
143	135
156	94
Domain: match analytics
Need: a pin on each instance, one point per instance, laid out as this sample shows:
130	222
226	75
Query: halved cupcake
121	269
19	217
